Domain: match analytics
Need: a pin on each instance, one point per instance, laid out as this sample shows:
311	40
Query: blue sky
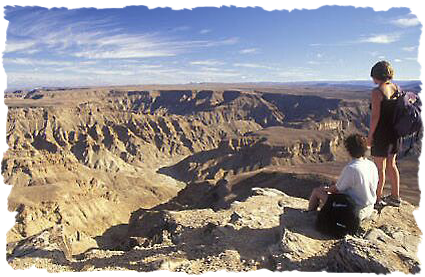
135	45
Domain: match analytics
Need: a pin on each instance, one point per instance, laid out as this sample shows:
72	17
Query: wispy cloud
111	44
14	46
88	68
213	69
205	31
409	49
406	22
104	72
373	38
142	46
224	41
97	38
411	59
207	62
128	46
249	51
398	60
380	39
329	44
252	65
37	62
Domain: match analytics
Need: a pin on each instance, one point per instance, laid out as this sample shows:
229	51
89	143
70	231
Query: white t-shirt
359	179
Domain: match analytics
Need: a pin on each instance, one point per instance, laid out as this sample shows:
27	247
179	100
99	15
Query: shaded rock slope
87	165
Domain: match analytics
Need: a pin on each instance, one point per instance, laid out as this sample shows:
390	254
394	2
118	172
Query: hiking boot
379	205
392	201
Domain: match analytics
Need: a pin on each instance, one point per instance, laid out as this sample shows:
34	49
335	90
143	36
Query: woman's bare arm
376	110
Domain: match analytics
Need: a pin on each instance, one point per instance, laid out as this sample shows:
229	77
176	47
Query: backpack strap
397	93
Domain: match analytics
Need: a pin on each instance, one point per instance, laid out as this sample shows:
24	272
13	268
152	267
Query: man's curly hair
382	71
356	145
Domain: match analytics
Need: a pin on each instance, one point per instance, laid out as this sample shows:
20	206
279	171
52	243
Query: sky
136	45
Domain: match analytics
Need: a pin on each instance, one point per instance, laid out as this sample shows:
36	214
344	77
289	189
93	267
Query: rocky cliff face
100	156
271	146
123	131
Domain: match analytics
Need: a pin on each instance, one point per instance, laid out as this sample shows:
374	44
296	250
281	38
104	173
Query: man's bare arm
331	189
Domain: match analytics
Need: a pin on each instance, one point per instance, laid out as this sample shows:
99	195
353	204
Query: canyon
130	171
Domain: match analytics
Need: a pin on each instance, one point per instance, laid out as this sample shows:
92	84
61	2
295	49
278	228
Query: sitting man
358	179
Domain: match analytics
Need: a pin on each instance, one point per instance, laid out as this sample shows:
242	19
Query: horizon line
201	83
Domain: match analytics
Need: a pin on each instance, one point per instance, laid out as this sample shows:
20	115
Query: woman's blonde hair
382	71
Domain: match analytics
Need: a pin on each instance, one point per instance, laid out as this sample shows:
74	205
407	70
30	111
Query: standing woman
382	138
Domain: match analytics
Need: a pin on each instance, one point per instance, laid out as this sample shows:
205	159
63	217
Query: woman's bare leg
318	197
381	165
393	175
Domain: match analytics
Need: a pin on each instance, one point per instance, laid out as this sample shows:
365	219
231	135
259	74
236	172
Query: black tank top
385	128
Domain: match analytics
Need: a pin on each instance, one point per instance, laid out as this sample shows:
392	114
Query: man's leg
318	196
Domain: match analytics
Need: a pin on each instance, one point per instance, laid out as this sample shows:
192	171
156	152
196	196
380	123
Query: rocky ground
270	230
189	180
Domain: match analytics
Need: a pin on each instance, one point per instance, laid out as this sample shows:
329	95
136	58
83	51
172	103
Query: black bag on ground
337	217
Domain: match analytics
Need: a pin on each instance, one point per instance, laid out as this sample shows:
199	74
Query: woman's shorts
385	148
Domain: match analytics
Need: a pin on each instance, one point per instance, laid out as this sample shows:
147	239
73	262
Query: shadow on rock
301	222
294	185
115	238
220	195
